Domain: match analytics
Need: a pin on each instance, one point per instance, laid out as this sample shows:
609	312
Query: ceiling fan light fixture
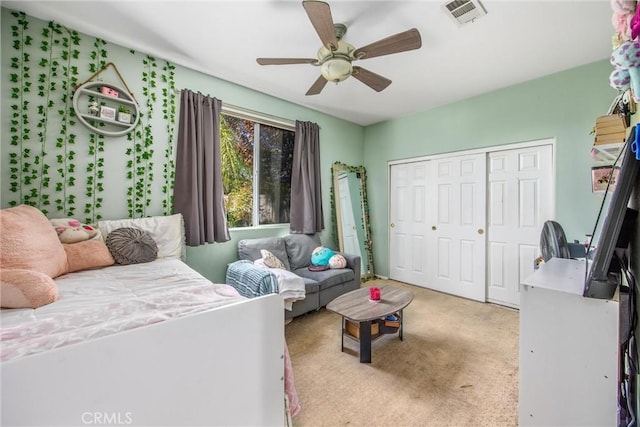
336	69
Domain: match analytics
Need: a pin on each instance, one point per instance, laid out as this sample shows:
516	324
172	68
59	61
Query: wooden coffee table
357	307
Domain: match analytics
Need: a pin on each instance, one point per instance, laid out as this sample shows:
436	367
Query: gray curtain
198	193
306	189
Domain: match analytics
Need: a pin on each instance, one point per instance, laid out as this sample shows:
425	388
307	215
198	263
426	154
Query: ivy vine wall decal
95	164
50	154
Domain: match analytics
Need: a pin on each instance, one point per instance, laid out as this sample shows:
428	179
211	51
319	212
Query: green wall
562	106
69	171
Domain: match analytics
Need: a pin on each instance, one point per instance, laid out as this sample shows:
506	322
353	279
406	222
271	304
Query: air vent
464	11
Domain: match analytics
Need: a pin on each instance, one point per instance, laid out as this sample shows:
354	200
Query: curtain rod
258	116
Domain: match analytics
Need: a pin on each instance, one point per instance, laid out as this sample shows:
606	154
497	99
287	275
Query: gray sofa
295	251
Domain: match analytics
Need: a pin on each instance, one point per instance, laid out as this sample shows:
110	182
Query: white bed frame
223	367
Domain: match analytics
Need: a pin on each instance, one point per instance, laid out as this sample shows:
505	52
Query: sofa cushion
310	286
299	249
327	278
249	249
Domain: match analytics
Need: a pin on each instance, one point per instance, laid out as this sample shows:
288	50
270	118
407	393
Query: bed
146	344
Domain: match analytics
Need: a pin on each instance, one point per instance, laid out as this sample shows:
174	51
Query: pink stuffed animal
72	231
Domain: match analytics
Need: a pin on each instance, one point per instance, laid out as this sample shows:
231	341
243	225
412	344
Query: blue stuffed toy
321	256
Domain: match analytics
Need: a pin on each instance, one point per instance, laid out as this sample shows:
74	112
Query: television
601	281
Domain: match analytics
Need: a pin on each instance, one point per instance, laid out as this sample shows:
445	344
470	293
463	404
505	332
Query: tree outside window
256	176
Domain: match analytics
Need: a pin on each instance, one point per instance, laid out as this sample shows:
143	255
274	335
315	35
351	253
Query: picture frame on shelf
107	112
600	177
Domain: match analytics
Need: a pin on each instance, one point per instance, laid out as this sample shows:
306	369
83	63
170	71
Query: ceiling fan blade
319	14
373	80
317	86
285	61
401	42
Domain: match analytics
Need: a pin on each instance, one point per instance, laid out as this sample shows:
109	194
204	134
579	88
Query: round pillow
131	246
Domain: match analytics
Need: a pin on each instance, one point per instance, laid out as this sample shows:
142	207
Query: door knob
392	225
480	231
434	228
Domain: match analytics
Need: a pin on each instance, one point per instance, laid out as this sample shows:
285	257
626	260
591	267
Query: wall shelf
91	91
607	153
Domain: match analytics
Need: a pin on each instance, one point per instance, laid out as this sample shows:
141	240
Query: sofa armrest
353	262
251	281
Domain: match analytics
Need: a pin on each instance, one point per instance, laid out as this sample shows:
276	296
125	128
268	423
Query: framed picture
107	112
600	177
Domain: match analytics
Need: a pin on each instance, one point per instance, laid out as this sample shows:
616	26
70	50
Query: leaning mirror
351	214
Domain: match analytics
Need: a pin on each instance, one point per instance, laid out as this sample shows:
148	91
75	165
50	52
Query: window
256	171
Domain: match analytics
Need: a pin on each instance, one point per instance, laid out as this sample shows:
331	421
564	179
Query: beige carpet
457	366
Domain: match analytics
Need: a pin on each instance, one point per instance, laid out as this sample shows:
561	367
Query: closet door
457	200
408	257
520	200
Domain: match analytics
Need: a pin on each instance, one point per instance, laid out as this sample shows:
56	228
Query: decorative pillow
20	288
337	261
270	260
131	246
87	255
166	231
72	231
29	242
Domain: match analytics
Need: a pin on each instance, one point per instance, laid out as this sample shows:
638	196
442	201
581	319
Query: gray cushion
327	278
300	247
250	249
310	286
131	246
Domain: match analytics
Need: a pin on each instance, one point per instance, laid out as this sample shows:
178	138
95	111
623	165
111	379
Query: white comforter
96	303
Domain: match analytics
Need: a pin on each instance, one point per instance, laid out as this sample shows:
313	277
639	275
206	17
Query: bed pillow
167	231
20	288
29	242
130	245
270	260
87	255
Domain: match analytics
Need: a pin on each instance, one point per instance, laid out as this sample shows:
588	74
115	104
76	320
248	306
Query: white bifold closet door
520	200
409	261
457	213
437	217
469	224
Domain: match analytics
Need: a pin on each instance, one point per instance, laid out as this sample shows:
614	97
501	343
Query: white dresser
568	350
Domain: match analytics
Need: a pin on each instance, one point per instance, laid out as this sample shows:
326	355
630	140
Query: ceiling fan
335	56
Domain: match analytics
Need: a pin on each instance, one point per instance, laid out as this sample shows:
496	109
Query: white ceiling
516	41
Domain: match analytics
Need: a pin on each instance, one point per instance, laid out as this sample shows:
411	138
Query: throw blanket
290	285
254	279
249	281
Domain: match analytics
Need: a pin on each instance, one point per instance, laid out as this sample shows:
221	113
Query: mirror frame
364	207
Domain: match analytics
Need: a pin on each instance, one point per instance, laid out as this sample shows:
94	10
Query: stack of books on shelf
610	129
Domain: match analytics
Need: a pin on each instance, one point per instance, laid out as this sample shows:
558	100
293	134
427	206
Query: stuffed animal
321	256
626	59
337	261
72	231
32	256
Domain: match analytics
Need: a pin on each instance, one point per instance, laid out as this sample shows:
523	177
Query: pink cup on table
374	293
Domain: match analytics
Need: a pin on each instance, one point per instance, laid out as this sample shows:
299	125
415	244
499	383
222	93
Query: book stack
610	129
